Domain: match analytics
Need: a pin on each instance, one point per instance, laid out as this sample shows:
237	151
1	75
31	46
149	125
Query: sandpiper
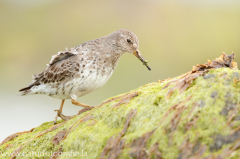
83	69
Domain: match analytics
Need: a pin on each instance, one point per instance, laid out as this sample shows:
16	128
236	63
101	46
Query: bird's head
126	41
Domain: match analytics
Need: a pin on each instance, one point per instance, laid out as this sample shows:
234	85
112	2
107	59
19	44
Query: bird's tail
25	91
28	89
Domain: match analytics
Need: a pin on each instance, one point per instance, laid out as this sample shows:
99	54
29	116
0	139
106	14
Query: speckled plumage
83	69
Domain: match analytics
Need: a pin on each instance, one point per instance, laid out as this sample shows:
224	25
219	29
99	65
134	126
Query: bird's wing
61	66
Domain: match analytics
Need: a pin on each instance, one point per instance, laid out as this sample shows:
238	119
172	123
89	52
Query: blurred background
173	35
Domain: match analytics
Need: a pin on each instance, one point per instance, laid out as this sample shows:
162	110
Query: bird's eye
129	41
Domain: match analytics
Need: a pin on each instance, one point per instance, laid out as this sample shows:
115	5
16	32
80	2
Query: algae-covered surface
201	122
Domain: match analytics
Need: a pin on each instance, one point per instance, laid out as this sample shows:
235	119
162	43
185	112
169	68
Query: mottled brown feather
63	65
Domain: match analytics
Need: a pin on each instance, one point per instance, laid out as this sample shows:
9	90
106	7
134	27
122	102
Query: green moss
198	119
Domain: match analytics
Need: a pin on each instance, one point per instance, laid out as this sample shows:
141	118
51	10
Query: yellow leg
59	113
75	102
63	117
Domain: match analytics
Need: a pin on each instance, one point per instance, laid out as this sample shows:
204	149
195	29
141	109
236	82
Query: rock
201	121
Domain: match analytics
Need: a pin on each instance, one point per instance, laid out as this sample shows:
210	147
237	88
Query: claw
63	117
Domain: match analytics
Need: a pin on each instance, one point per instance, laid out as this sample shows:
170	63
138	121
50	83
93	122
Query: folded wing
61	66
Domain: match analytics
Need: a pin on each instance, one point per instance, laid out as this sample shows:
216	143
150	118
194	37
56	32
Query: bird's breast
90	79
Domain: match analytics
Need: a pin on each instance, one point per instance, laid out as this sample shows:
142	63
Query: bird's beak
141	58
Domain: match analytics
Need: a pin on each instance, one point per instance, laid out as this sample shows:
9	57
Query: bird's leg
75	102
59	113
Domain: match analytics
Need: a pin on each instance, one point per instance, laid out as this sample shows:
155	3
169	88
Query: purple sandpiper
83	69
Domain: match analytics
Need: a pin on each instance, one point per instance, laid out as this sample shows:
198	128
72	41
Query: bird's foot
75	102
63	117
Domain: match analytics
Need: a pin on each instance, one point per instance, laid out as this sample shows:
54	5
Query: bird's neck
111	61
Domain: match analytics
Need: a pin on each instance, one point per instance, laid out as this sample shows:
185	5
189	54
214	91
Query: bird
83	69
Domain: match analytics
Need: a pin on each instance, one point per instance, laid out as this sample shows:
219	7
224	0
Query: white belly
90	84
81	85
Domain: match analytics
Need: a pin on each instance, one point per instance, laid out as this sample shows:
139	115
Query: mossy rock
203	121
